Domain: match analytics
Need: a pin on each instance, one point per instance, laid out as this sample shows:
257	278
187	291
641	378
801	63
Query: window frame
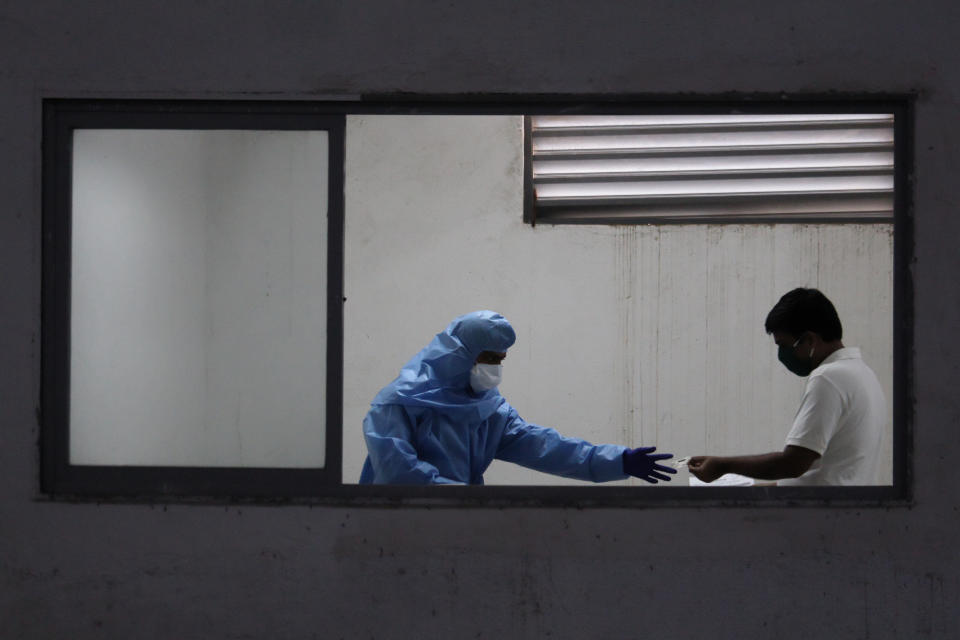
291	486
61	117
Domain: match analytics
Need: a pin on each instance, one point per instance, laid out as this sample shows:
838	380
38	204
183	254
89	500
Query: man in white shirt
835	438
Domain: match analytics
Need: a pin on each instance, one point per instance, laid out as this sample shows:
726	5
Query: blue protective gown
429	427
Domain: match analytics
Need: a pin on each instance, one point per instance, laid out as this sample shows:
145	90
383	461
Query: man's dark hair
804	310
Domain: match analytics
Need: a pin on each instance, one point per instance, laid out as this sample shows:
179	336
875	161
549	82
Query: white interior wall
632	334
199	306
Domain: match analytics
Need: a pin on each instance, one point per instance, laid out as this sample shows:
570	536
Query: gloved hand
641	464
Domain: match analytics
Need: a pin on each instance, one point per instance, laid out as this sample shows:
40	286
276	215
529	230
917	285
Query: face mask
794	364
484	377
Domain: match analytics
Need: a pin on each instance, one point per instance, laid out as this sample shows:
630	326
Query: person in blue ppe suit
443	421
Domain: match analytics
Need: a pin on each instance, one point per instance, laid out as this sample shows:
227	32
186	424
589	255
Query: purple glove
640	464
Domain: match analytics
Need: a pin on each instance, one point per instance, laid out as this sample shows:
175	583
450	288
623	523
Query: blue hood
439	376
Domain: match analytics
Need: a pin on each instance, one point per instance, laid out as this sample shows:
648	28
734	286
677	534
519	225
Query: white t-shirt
841	417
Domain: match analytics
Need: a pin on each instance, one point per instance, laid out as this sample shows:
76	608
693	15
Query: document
726	480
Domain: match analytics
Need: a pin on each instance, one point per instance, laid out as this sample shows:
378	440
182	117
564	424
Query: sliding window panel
198	290
192	309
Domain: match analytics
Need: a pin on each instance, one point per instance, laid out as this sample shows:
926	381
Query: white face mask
484	377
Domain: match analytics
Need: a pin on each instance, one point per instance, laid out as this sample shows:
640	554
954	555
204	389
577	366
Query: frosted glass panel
198	298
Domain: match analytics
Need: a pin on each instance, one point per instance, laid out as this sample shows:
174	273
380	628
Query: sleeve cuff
607	463
806	444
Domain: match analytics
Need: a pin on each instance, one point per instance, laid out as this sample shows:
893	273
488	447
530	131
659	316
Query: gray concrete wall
179	571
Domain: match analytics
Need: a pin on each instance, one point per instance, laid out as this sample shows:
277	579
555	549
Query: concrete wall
192	571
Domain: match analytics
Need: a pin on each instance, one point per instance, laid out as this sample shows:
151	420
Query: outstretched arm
546	450
792	462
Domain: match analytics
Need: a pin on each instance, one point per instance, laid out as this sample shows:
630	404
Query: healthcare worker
443	421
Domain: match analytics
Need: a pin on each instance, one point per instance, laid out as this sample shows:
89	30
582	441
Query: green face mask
794	364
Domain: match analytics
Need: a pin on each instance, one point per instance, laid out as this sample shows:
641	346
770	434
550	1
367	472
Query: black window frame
292	486
61	117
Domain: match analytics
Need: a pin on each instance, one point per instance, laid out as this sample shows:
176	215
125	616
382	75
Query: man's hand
705	468
641	464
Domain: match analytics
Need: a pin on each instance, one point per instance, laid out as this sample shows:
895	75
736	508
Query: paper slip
726	480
